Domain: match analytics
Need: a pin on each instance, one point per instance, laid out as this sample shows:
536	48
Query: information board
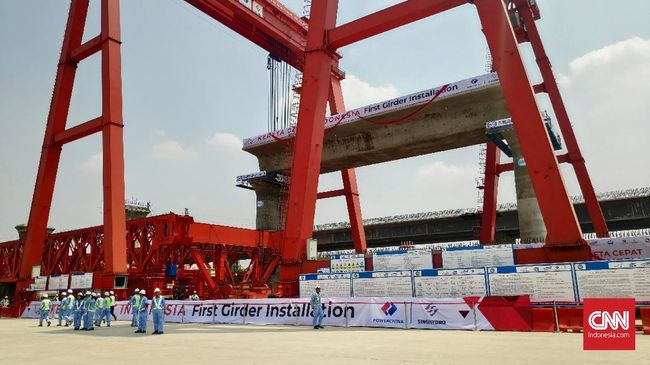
449	283
544	283
402	260
58	282
613	279
40	283
331	285
477	256
348	263
81	280
382	284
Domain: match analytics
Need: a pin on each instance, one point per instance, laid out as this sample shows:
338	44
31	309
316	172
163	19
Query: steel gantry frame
312	48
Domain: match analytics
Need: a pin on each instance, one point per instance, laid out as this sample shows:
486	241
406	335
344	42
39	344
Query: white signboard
543	283
81	280
58	282
40	283
402	260
331	285
348	263
448	313
477	256
613	279
449	283
620	248
382	284
401	102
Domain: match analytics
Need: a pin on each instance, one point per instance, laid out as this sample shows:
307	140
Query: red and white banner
390	312
620	248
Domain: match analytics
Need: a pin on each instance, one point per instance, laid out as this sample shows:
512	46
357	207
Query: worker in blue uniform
106	313
89	312
44	311
135	306
69	308
317	308
142	313
63	305
158	312
99	313
78	311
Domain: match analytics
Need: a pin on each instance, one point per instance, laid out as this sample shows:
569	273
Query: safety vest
112	299
157	303
143	304
90	305
136	300
45	305
79	305
70	301
100	303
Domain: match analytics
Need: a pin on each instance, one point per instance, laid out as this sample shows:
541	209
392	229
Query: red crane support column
112	141
51	152
490	191
350	189
575	156
554	202
305	170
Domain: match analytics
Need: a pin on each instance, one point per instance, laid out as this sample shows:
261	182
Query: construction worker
69	308
89	311
135	305
99	314
63	304
78	310
317	308
158	312
112	298
106	314
44	311
194	297
142	313
4	303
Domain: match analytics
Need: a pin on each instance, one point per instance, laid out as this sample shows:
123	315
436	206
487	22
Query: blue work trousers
142	321
134	316
89	317
318	316
106	314
43	316
158	320
77	319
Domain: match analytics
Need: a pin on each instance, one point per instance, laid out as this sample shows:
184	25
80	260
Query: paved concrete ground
21	342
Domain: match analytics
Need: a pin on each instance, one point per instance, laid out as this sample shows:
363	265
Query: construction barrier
470	313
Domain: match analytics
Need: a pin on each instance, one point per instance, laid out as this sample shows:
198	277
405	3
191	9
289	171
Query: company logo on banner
389	308
608	324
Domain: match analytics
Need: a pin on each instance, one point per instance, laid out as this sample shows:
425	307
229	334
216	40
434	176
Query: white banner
331	285
613	279
81	280
450	283
450	313
382	284
402	260
477	256
621	248
543	283
58	282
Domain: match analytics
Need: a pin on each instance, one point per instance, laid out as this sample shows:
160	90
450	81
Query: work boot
48	324
40	325
58	325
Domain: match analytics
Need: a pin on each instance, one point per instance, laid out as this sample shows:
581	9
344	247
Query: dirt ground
22	342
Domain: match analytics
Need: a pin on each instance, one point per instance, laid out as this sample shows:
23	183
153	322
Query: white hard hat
94	294
137	290
45	295
143	292
88	292
70	291
112	292
157	290
105	293
317	287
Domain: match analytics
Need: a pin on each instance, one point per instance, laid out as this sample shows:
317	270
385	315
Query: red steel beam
387	19
211	233
305	168
350	189
490	192
203	271
555	205
508	166
551	88
78	131
112	140
86	50
330	194
50	155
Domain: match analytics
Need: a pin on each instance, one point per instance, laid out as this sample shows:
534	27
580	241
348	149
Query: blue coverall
78	309
142	314
63	311
106	314
99	313
317	308
135	309
44	313
157	311
89	313
69	309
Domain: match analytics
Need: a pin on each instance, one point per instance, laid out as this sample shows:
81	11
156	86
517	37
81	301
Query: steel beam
390	18
50	155
330	194
490	192
78	132
551	88
86	50
305	169
554	202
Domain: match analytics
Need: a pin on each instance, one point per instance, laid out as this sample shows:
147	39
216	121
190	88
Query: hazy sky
193	89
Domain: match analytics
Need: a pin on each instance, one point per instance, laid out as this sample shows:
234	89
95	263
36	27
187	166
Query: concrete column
531	223
269	198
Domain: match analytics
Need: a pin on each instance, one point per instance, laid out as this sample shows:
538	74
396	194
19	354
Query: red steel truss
310	46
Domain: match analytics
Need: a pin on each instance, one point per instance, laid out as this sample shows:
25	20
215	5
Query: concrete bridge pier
531	222
268	199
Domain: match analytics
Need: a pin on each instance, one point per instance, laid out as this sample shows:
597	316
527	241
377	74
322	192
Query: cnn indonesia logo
608	324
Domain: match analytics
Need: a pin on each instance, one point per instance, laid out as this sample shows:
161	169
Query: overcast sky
193	89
